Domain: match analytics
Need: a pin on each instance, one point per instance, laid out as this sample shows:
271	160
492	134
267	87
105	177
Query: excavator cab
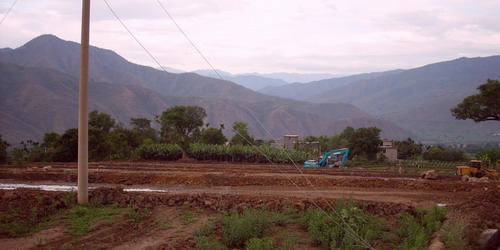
475	169
475	164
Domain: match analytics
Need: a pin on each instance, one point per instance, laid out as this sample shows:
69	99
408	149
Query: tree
241	137
3	150
101	121
141	131
484	106
408	148
212	136
365	142
180	122
140	123
67	149
437	153
341	140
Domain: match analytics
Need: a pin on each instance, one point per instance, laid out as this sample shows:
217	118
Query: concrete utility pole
83	124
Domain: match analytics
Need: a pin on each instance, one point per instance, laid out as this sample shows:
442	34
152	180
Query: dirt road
216	185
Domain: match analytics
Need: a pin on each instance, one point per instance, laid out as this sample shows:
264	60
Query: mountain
298	78
303	91
420	99
130	90
107	66
38	100
251	81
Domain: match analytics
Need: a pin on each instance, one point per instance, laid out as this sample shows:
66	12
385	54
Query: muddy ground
214	187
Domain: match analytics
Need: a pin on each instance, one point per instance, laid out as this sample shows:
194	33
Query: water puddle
69	188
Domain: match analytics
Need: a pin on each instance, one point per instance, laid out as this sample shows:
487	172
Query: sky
266	36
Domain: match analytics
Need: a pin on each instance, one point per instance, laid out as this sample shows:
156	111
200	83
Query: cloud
327	36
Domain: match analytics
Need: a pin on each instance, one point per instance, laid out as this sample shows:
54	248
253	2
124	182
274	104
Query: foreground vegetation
345	227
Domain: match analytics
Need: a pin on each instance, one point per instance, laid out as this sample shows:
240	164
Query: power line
350	231
196	48
8	11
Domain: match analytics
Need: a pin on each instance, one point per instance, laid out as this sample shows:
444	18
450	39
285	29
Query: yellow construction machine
476	169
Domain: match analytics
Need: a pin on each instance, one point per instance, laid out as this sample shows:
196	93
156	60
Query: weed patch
347	227
15	224
237	229
455	234
209	243
206	229
82	220
416	230
260	244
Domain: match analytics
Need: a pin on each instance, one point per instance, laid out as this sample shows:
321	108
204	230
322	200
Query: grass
82	220
260	244
237	229
209	243
455	234
206	229
190	217
289	240
416	230
348	227
137	215
14	224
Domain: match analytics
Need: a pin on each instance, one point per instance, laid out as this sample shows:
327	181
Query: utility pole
83	124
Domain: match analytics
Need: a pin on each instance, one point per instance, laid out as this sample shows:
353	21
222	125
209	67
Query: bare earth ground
208	188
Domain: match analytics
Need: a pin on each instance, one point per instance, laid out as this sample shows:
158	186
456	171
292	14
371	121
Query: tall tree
408	148
180	122
484	106
3	150
365	142
141	131
242	137
101	121
212	136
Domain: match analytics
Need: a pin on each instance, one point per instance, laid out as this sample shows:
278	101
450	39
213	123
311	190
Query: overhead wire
253	115
350	231
6	14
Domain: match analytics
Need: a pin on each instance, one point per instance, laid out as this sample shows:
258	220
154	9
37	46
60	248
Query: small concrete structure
389	150
288	142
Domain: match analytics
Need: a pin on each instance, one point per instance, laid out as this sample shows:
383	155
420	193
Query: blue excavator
332	158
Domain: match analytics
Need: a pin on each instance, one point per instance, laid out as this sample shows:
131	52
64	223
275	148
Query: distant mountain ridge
304	91
420	99
129	90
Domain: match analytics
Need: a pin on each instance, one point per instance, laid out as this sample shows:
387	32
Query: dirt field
207	188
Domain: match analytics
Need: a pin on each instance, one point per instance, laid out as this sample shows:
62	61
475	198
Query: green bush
209	243
416	230
165	152
237	229
240	153
348	227
260	244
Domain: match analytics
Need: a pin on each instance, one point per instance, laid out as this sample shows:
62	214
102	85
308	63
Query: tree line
184	126
110	140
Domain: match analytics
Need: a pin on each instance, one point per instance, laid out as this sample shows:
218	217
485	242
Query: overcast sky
265	36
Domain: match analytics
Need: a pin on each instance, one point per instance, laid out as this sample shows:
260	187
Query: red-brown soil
213	187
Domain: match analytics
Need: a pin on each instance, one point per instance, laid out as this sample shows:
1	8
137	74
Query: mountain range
419	100
39	93
257	81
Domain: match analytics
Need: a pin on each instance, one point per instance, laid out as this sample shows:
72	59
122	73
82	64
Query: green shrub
240	153
260	244
237	229
416	231
165	152
455	234
209	243
206	229
348	227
